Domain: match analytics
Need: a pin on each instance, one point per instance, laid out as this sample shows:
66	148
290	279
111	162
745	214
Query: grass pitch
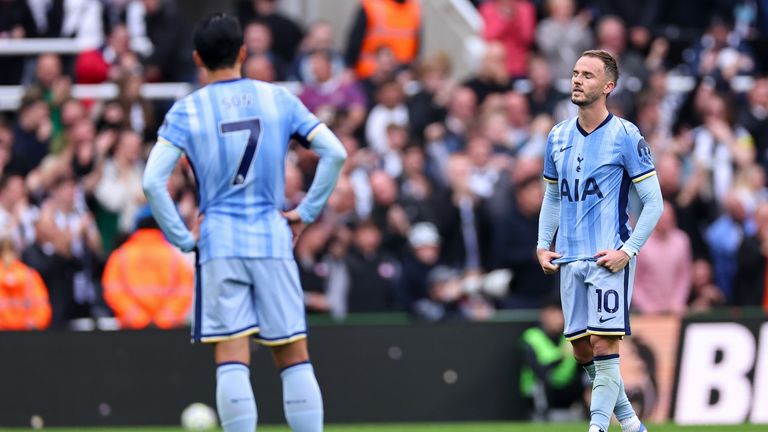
444	427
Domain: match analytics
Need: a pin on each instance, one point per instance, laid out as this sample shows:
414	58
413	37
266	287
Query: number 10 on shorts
609	301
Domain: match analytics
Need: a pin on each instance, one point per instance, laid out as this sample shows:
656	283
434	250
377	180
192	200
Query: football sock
625	414
605	390
234	398
302	401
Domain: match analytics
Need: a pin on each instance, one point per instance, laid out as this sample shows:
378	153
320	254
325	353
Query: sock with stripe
302	401
625	414
234	398
605	390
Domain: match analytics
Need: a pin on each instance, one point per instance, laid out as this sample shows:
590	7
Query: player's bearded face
587	81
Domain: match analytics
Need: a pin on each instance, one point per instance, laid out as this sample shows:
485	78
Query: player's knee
605	345
582	350
235	350
290	354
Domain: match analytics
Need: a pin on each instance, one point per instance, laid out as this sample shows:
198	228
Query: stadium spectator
514	212
663	273
513	23
751	285
721	53
147	282
705	295
12	204
612	37
562	36
390	109
723	237
462	221
258	41
15	23
721	146
493	76
31	135
336	101
159	35
319	37
753	115
449	136
79	19
66	244
543	97
23	295
373	274
259	67
119	190
287	35
551	379
313	271
429	104
420	259
139	113
391	24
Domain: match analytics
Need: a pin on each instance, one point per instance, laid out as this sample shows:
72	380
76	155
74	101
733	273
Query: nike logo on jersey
602	320
564	148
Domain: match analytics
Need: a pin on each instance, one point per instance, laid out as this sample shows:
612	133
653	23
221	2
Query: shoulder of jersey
562	124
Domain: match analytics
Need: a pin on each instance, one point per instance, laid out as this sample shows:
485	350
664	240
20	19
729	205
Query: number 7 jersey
235	135
593	172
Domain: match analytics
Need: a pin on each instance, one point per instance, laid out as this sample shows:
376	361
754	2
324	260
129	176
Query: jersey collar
585	133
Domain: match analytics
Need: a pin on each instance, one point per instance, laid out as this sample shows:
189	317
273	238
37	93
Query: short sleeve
303	122
175	127
636	155
550	169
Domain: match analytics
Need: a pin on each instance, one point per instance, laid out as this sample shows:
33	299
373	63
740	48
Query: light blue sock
302	401
605	390
234	398
625	414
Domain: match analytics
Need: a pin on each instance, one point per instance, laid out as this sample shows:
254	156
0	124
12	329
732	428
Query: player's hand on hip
545	260
613	260
295	223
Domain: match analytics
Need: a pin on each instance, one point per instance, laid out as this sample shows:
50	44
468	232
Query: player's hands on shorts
613	260
545	260
295	223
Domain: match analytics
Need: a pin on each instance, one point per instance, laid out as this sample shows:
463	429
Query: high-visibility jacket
24	301
393	24
147	281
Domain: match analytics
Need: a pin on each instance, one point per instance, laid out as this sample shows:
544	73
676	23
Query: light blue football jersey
594	172
235	135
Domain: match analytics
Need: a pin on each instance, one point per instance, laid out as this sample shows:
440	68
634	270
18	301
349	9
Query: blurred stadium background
422	267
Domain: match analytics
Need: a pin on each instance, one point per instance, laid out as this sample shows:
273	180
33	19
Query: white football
198	417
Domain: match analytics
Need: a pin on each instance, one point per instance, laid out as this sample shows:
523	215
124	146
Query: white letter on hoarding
760	383
699	374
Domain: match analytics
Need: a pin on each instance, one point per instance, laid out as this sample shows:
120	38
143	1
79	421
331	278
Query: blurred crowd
436	211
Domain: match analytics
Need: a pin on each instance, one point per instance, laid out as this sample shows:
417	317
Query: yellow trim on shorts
214	339
605	333
643	177
578	336
278	342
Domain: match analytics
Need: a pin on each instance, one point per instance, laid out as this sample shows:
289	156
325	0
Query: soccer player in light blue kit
235	134
589	165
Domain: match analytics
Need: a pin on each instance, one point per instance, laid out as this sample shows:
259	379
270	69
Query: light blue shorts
595	300
236	297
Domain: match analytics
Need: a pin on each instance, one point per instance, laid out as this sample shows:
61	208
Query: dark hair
611	68
217	40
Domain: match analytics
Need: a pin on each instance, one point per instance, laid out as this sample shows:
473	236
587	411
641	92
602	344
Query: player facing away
589	164
235	133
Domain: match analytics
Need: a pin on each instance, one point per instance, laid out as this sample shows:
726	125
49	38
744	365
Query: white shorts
595	300
236	297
